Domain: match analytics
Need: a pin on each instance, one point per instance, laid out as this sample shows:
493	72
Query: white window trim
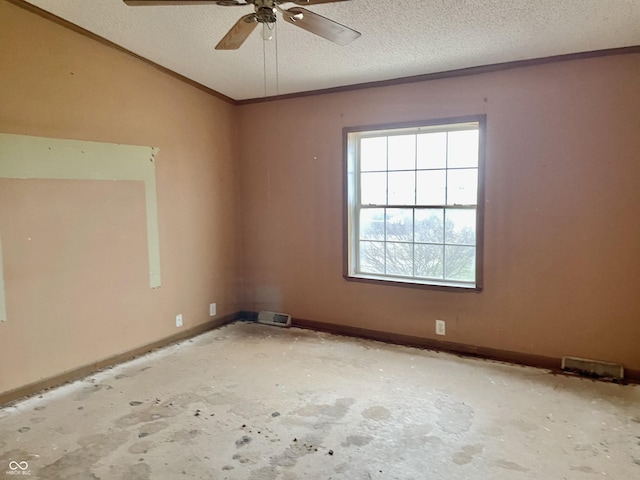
351	207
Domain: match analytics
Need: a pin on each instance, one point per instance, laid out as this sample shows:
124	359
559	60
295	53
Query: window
414	203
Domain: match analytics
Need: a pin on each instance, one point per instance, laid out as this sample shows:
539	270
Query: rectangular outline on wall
27	157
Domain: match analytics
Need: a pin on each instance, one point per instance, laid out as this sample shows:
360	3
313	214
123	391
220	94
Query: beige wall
75	252
262	209
562	229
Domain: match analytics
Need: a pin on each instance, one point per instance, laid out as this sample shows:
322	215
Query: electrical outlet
179	320
212	309
440	327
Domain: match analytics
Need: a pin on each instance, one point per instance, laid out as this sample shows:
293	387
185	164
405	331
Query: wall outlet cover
212	309
179	320
440	327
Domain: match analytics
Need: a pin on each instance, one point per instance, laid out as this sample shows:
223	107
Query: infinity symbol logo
18	465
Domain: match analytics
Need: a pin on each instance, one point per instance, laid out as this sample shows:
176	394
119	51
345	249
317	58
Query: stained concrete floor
253	402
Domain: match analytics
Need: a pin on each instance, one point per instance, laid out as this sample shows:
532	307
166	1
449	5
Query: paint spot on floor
338	410
141	447
244	459
377	413
585	447
296	450
507	465
40	408
583	469
87	391
149	414
184	436
465	455
357	440
135	403
264	473
38	419
245	440
24	429
151	428
139	471
454	417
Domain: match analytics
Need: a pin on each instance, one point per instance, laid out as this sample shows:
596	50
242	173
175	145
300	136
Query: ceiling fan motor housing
265	14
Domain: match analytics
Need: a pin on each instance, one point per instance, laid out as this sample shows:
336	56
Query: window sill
413	283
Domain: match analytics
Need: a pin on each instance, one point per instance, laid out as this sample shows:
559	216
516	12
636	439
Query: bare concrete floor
252	402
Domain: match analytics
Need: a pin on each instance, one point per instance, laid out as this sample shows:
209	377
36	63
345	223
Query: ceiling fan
265	13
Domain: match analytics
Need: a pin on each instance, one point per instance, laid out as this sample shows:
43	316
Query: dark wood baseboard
550	363
83	371
518	358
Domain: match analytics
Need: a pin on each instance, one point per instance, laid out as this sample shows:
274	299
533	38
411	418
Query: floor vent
593	368
273	318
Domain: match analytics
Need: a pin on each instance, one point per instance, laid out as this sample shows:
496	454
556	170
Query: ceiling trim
75	28
495	67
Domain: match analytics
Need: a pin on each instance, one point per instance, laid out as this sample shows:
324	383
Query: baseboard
550	363
518	358
83	371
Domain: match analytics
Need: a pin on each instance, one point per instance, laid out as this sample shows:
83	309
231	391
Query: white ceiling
399	38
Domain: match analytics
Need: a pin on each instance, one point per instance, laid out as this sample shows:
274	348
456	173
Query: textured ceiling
399	38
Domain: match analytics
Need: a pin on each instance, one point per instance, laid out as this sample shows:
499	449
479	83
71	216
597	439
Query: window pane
402	152
428	261
372	257
429	225
432	150
373	154
462	187
400	224
460	227
400	259
431	187
460	263
373	188
463	149
372	224
402	188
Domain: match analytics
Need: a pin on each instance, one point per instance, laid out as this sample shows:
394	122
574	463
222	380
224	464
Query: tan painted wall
562	240
561	246
75	252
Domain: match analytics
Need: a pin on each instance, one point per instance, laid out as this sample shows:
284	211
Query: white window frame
351	138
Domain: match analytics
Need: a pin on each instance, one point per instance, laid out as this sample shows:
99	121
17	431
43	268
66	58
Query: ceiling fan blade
238	33
314	2
322	26
155	3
